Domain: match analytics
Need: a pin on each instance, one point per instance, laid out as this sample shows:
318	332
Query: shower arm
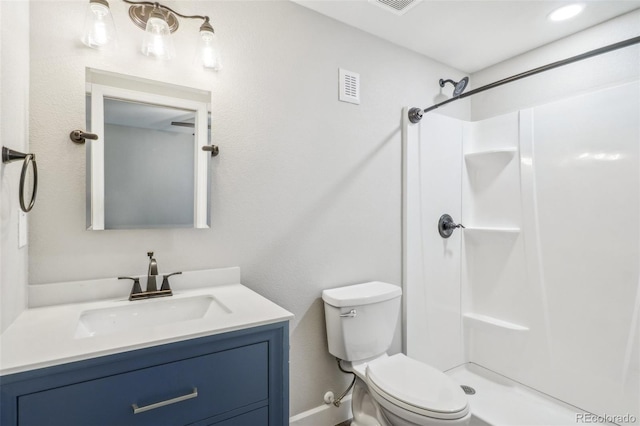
415	114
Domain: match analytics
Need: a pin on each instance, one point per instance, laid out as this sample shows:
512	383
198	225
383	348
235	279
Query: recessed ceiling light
566	12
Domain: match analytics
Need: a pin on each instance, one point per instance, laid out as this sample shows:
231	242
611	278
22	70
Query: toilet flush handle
351	314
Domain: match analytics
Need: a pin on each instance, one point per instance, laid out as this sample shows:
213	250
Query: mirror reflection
147	168
145	160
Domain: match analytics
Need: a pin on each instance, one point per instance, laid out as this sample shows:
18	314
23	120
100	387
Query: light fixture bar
140	14
161	6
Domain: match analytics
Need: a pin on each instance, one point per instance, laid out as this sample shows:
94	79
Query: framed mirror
147	169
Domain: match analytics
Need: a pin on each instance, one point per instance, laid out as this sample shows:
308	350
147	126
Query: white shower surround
548	285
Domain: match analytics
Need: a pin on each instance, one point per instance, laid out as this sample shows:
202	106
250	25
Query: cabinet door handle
137	409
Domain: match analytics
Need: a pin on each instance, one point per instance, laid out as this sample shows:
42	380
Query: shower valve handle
446	225
451	225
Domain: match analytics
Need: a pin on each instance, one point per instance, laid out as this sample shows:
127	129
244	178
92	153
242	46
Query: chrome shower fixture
458	86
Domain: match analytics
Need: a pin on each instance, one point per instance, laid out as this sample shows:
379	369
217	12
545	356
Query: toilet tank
361	319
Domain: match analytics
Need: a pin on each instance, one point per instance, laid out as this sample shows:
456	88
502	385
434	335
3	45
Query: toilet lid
411	383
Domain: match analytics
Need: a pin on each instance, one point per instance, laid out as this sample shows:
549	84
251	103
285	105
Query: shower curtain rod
415	114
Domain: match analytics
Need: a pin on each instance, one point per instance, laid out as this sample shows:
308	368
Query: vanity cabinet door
257	417
223	381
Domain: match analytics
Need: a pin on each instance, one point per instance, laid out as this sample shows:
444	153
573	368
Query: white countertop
46	336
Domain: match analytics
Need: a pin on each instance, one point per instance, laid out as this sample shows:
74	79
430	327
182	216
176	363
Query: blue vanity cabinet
230	379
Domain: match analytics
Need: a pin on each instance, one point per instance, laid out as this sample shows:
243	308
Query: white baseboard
324	415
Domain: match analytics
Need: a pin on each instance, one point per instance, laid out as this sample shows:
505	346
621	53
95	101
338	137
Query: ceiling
145	116
468	35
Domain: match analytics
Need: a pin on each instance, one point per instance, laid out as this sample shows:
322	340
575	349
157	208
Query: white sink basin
208	302
146	313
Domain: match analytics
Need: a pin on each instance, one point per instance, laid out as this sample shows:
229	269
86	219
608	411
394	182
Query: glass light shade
207	54
157	37
99	30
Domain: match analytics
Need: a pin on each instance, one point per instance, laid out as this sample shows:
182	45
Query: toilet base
366	410
370	410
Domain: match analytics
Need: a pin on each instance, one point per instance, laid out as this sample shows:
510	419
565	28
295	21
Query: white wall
306	189
587	169
602	71
14	134
432	158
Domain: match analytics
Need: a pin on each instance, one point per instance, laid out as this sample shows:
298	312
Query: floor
500	401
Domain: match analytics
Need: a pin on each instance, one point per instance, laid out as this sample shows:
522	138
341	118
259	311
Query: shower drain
468	389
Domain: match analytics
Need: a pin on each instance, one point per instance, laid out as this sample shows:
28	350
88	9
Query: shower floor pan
499	401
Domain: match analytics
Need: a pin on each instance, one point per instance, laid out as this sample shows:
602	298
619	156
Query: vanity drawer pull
137	409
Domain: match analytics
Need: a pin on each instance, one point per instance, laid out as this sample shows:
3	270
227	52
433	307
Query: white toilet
390	390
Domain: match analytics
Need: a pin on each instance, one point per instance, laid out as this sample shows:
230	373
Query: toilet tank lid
361	294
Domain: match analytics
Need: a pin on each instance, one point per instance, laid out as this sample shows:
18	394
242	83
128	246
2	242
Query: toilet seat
416	387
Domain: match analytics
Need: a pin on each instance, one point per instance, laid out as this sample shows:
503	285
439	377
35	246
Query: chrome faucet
151	275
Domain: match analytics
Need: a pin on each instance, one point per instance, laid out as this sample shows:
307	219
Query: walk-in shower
541	320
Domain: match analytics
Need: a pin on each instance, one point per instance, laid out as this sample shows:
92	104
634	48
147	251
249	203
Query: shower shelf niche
495	158
472	319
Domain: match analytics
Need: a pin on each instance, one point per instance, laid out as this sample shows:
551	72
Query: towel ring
9	156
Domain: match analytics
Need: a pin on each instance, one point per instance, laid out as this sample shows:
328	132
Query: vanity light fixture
157	39
99	31
158	22
207	52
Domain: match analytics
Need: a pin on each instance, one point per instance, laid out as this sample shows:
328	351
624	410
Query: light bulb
157	37
207	54
99	31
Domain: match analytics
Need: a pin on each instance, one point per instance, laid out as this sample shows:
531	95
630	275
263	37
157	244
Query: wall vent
399	7
349	86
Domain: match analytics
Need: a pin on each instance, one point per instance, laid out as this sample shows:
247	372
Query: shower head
458	86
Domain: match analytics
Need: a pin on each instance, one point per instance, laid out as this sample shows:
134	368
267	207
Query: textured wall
306	190
14	134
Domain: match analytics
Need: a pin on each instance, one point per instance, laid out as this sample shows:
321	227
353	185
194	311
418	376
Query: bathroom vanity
95	363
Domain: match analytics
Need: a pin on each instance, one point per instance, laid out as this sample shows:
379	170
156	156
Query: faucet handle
165	281
136	289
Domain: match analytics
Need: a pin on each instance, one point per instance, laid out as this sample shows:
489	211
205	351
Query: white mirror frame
98	93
